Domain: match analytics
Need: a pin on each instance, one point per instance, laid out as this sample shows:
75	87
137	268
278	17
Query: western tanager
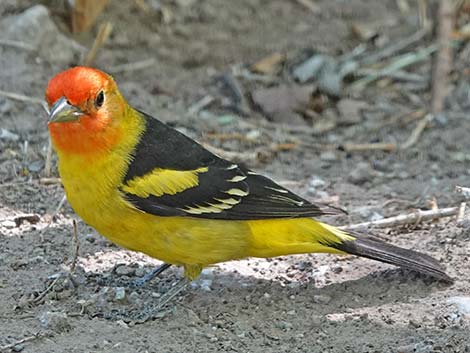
149	188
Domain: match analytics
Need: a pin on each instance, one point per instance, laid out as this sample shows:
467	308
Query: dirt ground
302	303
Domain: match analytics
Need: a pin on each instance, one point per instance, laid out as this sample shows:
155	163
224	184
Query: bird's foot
140	282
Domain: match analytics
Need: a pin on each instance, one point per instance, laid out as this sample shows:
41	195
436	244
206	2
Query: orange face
86	108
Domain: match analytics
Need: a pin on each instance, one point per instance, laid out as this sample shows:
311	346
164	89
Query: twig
250	76
398	75
443	58
59	206
134	66
49	181
396	65
41	296
423	13
411	218
17	44
360	147
201	104
102	36
76	246
416	133
21	341
461	213
236	89
395	48
403	119
21	97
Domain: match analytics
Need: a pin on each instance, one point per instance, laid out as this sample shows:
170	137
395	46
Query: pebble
55	321
120	294
17	348
36	28
139	272
8	135
328	156
8	224
462	303
125	270
285	326
134	297
361	174
321	299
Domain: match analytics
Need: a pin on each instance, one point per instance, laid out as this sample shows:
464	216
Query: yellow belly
182	240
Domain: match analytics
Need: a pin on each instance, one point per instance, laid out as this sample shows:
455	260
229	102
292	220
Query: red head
86	108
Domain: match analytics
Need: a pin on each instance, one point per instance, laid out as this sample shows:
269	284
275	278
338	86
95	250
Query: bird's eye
99	100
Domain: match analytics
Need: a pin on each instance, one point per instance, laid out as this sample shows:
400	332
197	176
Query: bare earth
303	303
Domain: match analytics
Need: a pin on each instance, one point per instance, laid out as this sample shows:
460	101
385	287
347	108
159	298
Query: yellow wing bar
163	181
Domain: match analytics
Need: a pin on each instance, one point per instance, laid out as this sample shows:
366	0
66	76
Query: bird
149	188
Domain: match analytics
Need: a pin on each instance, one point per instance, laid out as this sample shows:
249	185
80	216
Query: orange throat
87	138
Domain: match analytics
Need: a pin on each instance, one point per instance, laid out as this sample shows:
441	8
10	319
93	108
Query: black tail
376	249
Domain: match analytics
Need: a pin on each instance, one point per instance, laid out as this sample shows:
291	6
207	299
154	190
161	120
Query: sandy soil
303	303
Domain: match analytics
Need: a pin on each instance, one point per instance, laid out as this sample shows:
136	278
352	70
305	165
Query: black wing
224	190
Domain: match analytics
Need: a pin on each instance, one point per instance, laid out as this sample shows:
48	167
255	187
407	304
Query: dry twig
360	147
10	346
396	47
443	59
42	295
134	66
416	133
17	44
461	213
49	181
102	36
396	65
21	97
411	218
76	246
201	104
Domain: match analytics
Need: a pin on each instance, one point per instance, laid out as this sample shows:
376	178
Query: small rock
316	182
9	224
17	348
124	270
8	135
462	303
350	111
282	103
139	272
361	174
328	156
414	324
134	297
55	321
36	28
120	294
285	326
253	135
310	68
321	299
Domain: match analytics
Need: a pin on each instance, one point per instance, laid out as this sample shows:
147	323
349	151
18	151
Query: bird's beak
63	112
